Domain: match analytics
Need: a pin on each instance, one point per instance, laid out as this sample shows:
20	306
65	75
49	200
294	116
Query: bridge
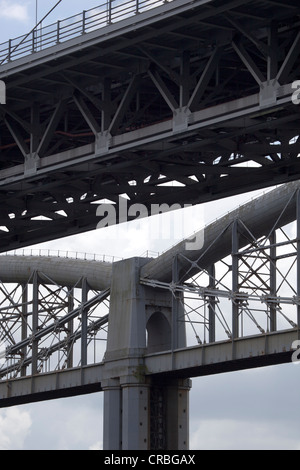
144	104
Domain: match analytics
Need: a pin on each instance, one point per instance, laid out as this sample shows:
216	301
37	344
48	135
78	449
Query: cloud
15	425
73	423
13	11
244	435
251	409
96	446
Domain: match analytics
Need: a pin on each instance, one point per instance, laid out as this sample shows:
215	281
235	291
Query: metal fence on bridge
42	37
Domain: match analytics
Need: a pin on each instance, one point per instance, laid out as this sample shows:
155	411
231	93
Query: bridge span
132	97
142	103
140	329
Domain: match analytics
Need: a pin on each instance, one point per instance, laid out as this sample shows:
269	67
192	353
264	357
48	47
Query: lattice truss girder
202	103
46	327
254	290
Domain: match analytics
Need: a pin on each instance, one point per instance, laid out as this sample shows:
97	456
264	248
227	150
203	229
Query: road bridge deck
186	95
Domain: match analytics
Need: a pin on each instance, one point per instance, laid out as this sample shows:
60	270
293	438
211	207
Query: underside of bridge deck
197	96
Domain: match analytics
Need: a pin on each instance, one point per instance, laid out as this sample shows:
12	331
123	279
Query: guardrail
40	38
62	254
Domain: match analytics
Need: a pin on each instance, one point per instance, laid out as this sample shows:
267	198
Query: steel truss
194	95
46	327
255	290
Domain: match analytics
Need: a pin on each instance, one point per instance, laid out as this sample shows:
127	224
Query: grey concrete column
127	321
130	416
126	393
135	417
178	415
112	415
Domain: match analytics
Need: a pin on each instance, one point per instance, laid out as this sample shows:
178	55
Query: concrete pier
139	412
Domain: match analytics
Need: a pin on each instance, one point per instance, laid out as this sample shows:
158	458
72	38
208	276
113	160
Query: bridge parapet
43	37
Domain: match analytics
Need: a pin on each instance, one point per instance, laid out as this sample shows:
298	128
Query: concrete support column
136	408
135	417
126	393
177	418
112	416
169	426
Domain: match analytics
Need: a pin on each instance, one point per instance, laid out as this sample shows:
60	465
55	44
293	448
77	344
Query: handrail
111	11
45	252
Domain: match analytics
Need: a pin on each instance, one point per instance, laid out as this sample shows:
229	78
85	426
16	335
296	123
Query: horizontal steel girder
190	362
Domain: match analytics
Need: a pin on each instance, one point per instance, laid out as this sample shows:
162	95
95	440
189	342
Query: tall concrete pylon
142	413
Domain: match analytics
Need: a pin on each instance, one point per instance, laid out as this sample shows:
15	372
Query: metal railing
44	252
42	37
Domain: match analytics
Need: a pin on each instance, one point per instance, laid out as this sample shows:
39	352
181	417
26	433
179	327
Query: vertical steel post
24	324
84	324
235	284
58	32
211	306
35	322
109	16
70	328
9	50
175	277
34	34
83	21
273	288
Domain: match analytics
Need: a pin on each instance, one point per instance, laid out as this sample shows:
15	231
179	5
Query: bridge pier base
141	412
135	417
143	417
169	415
112	420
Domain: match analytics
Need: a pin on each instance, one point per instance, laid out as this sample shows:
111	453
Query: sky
19	17
252	409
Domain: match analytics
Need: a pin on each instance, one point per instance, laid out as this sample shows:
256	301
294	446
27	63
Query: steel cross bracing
194	95
47	327
238	298
252	290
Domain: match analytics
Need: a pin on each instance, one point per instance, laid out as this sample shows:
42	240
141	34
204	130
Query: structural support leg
112	416
35	321
133	417
177	417
135	414
235	285
273	287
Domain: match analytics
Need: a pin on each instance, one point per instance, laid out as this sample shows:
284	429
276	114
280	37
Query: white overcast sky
255	409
